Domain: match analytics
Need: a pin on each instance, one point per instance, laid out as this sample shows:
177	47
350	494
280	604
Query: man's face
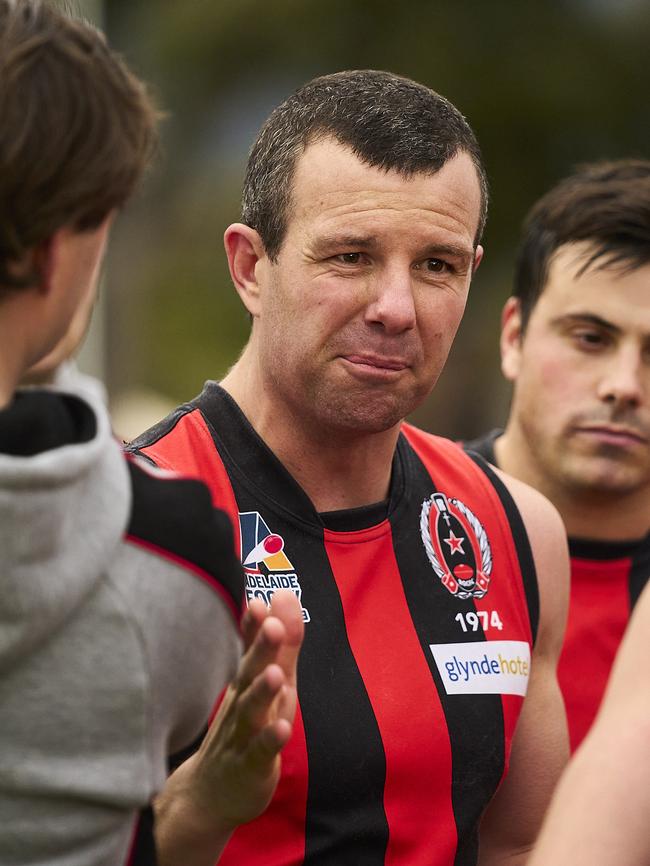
582	377
359	312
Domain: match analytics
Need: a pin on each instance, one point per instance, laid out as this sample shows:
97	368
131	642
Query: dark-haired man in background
364	204
576	344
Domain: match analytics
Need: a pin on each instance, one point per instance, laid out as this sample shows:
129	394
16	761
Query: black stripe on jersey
340	731
475	722
520	538
143	850
176	515
639	570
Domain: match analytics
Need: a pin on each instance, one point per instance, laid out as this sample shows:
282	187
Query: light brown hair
77	129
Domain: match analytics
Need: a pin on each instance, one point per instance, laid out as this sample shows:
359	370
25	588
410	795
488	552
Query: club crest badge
457	546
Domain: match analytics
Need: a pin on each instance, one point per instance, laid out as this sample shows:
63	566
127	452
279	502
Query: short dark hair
606	204
388	121
76	132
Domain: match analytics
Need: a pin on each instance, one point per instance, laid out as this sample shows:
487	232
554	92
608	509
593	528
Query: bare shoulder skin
540	746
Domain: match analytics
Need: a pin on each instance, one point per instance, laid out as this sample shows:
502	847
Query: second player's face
361	307
582	377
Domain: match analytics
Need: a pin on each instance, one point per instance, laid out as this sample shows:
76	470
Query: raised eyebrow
464	254
348	242
586	319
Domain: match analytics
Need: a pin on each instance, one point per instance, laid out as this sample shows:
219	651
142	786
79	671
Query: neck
336	468
601	515
12	362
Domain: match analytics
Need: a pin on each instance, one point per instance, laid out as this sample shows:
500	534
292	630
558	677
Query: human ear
245	250
478	258
35	267
511	336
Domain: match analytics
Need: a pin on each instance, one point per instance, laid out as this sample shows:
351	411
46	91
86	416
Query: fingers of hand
262	652
269	742
252	620
286	607
257	706
286	703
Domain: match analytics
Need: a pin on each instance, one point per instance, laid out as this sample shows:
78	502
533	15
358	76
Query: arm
232	777
600	815
540	745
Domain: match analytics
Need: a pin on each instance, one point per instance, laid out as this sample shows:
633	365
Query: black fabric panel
484	445
159	430
174	761
640	570
176	514
354	519
588	548
143	852
522	543
475	722
38	421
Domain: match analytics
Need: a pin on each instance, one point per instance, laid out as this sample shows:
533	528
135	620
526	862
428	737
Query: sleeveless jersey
606	580
420	615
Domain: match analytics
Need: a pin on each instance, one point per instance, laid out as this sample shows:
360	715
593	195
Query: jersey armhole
520	538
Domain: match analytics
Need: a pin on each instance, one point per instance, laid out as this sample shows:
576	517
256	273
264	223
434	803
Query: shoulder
549	546
173	518
630	681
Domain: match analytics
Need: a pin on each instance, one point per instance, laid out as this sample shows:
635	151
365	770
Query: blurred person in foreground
59	366
120	593
600	813
364	203
575	342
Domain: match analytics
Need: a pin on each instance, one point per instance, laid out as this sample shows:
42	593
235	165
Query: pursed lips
614	432
378	362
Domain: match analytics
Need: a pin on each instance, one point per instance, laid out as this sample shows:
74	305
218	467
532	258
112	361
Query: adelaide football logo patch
457	546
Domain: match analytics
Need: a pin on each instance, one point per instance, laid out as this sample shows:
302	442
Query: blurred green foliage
545	85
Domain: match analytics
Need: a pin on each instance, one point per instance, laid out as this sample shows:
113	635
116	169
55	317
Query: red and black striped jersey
607	578
420	616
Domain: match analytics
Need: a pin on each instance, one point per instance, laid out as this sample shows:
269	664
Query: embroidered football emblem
457	546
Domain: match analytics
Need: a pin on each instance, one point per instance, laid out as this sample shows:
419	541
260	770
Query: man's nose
623	382
392	304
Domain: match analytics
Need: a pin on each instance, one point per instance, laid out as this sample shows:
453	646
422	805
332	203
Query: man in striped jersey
425	626
576	344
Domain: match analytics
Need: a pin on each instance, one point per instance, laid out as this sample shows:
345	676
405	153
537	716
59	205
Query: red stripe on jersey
387	650
284	820
599	610
188	448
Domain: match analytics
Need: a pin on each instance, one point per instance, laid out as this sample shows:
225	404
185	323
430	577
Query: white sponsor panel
484	667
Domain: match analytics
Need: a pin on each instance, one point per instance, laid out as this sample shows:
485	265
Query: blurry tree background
546	85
